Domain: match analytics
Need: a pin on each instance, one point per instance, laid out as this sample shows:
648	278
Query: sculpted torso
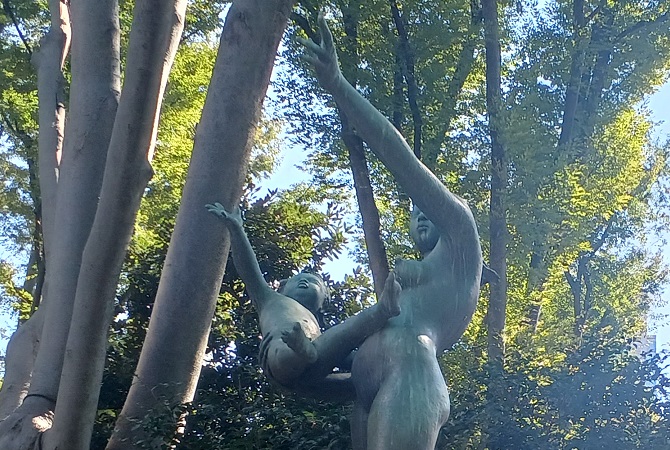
281	313
439	292
294	352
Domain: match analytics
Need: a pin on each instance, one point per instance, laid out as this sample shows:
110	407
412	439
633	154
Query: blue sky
659	104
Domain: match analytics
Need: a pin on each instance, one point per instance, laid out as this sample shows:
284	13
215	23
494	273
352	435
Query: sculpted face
424	233
307	289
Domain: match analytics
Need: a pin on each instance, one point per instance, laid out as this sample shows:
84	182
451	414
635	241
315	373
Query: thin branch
407	65
575	288
8	9
643	26
595	12
598	243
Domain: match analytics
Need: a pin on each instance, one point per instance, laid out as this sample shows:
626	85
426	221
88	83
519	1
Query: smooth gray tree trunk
48	61
94	96
156	31
175	344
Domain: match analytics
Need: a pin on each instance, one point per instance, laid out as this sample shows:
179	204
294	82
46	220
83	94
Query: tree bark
398	95
358	163
19	359
574	83
48	60
600	42
173	351
156	31
366	205
497	307
497	216
93	101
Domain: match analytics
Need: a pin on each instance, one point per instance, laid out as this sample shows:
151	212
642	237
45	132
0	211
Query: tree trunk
366	205
48	61
497	216
93	102
497	307
19	359
156	31
175	344
358	163
574	83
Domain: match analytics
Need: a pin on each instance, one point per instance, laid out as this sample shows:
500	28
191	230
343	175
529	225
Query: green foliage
589	201
21	25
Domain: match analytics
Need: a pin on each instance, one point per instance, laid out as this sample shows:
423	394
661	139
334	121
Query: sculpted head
423	232
306	288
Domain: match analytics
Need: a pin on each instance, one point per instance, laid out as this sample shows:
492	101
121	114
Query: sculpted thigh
409	408
369	368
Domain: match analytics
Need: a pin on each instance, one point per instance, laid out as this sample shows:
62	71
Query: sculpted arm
447	211
243	254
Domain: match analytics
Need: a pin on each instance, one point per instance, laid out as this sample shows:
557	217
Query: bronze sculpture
401	396
294	353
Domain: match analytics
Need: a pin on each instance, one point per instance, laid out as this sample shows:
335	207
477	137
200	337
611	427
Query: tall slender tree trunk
497	307
365	197
173	350
93	101
48	60
497	215
358	162
156	31
576	69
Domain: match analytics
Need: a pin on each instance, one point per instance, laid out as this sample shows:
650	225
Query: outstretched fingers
323	56
217	209
311	46
326	35
233	217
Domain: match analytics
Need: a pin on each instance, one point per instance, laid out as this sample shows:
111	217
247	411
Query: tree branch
358	161
643	26
407	65
8	9
575	288
464	64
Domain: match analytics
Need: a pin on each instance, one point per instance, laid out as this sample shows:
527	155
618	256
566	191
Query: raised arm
447	211
243	255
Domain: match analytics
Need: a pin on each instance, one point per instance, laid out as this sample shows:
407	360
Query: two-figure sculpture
401	396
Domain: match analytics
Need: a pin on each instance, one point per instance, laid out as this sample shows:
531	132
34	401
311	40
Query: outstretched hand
233	217
323	56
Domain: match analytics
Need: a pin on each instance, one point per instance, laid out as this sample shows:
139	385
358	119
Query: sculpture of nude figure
402	398
294	352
